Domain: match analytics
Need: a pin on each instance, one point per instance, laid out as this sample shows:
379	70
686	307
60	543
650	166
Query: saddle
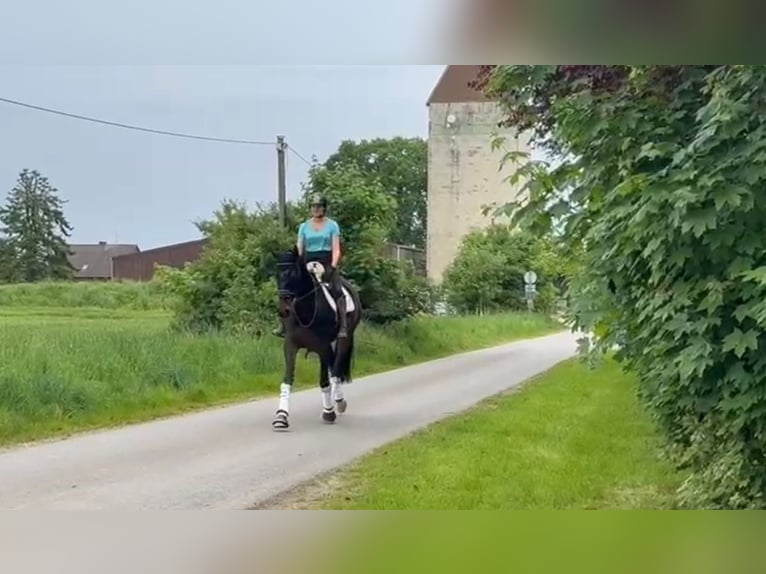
350	307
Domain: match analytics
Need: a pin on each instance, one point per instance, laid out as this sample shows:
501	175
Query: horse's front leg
280	421
326	358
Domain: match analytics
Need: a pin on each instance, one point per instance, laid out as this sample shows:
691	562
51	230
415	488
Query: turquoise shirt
321	240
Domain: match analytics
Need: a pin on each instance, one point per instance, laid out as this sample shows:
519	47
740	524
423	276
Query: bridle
296	299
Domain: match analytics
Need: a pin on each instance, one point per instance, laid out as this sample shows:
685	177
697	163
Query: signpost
530	288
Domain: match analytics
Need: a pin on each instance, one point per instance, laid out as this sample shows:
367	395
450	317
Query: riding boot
342	318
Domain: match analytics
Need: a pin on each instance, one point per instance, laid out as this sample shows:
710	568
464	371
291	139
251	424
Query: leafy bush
487	274
663	166
232	286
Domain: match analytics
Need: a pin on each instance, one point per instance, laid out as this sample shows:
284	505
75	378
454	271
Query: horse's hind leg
280	421
341	371
336	390
328	408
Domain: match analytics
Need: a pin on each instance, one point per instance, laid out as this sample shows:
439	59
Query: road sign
530	292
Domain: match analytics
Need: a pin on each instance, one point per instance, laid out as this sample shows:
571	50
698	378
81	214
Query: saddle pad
350	307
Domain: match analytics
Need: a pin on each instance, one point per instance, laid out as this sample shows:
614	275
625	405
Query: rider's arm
299	244
335	245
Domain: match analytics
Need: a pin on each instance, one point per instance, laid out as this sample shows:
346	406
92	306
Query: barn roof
453	87
203	242
94	261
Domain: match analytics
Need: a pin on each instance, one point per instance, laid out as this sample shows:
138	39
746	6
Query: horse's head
292	277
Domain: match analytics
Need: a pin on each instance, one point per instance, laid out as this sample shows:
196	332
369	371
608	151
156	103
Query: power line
281	144
292	149
137	128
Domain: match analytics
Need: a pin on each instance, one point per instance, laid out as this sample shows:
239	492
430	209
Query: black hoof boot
280	421
329	416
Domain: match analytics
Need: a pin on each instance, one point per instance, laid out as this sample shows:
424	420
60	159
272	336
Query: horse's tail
344	354
344	357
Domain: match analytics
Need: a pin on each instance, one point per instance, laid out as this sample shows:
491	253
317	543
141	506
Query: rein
294	300
316	308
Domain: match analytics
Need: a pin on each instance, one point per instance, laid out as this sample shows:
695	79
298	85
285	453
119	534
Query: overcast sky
240	70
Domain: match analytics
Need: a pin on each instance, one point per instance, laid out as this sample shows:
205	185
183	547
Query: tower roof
453	86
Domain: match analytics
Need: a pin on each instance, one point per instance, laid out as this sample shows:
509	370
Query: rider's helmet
319	199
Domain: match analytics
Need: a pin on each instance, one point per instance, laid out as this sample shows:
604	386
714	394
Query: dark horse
311	323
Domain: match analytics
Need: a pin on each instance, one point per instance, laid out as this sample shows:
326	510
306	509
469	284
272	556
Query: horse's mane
291	258
288	257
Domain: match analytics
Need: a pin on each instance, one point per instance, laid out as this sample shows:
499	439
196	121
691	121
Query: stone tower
463	170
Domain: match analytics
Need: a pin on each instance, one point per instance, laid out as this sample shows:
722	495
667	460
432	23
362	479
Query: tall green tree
35	230
665	168
366	214
400	166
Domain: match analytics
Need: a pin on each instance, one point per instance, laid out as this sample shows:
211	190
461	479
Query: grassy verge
68	294
65	370
573	438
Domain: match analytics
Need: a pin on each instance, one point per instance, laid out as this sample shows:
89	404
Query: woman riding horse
319	240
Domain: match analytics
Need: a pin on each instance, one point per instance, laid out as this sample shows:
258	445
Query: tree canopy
400	166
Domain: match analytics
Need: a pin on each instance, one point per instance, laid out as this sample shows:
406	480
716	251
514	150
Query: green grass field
60	294
571	439
78	367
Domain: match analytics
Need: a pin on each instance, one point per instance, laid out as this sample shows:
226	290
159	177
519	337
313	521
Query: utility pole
281	183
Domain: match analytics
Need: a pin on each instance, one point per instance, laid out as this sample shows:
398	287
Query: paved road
229	458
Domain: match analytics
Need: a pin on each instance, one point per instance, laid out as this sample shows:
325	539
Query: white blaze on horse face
284	397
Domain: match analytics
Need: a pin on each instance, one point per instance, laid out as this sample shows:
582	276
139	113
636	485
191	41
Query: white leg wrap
337	389
284	397
327	399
